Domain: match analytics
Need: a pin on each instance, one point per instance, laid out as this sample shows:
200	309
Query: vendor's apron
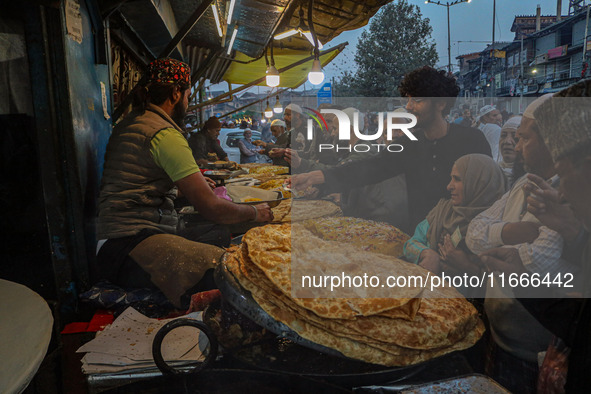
175	264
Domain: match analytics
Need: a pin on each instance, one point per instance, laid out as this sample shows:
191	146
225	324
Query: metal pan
218	174
241	299
291	354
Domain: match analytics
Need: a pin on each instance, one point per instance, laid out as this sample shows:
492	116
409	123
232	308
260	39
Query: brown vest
135	193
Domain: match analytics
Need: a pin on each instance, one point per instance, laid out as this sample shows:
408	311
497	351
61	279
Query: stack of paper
126	345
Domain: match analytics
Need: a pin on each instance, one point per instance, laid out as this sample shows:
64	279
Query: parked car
229	141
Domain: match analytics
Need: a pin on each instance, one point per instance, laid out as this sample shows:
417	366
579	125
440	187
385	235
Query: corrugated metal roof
157	22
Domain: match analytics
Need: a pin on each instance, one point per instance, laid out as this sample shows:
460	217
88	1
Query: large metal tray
241	299
289	353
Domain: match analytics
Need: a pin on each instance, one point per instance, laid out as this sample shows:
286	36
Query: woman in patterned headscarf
476	183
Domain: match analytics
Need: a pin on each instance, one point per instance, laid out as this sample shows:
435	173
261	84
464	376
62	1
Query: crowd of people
492	194
495	195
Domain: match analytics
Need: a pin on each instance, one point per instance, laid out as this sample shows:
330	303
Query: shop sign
547	87
324	95
557	52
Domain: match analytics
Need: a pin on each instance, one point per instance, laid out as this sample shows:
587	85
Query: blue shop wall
91	128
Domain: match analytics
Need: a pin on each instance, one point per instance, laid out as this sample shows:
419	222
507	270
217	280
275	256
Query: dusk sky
471	23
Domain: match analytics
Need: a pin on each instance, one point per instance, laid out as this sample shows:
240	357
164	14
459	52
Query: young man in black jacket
426	162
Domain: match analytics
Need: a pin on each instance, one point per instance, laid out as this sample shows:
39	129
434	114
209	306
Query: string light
278	108
316	75
268	111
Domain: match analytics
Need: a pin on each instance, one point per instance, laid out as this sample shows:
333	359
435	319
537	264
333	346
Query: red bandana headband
169	71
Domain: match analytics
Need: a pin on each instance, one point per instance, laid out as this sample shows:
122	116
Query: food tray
222	165
474	383
237	193
291	354
217	174
222	174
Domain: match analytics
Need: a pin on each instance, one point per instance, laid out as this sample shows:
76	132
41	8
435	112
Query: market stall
255	326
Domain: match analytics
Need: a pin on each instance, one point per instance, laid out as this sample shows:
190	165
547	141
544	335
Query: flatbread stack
409	327
368	235
299	210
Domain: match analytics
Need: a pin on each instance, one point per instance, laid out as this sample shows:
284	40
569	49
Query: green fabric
171	152
417	243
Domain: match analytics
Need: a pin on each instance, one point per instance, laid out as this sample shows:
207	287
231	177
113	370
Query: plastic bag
554	369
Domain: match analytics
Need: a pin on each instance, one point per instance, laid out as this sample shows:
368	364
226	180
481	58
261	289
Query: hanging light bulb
268	111
316	75
278	108
272	76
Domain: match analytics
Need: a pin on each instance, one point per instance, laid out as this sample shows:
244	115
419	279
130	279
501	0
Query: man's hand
503	260
335	197
520	232
429	260
544	202
277	152
259	143
210	182
303	181
292	157
264	213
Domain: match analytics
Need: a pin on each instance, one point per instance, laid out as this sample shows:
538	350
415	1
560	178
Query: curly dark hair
429	82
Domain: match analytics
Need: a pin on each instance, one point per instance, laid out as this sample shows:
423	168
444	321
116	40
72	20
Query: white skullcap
350	112
529	111
278	122
486	110
513	123
294	108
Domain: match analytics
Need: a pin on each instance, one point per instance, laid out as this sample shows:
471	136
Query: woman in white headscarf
476	183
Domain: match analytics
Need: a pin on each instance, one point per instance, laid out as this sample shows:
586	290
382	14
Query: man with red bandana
147	160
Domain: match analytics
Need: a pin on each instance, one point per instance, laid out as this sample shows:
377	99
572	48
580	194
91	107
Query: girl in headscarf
476	183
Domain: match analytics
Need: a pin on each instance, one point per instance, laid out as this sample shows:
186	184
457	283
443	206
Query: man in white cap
507	144
276	150
518	337
565	127
294	122
490	119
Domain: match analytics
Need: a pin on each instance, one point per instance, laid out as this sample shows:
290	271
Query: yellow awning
239	73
